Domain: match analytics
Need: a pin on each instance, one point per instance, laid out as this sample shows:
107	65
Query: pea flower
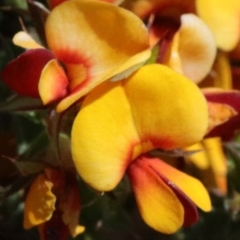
120	122
53	204
222	18
86	49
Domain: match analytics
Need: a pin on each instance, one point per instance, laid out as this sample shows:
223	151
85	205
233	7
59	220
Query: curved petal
24	40
82	34
23	73
156	94
40	202
122	72
157	203
104	131
223	18
184	182
53	82
121	120
195	46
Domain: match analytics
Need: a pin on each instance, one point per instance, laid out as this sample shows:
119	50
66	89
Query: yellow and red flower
86	49
119	123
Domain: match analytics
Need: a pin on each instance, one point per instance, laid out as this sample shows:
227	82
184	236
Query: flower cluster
146	76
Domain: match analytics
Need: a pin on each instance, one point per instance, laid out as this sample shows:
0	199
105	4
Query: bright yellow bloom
120	122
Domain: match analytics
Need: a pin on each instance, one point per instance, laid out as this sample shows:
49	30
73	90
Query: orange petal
104	131
193	48
87	42
157	203
116	125
24	40
53	82
40	202
219	113
223	18
184	182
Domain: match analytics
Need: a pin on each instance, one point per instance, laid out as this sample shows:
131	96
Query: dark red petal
230	98
22	74
190	210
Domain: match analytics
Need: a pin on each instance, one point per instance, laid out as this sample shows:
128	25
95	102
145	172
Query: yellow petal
223	18
214	172
83	35
39	203
156	94
157	203
24	40
195	47
118	121
185	183
53	82
104	131
218	164
199	156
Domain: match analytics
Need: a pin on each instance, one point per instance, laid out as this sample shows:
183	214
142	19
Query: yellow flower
120	122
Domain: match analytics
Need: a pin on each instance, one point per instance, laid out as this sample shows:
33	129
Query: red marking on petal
190	210
158	141
22	74
77	68
82	85
67	56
